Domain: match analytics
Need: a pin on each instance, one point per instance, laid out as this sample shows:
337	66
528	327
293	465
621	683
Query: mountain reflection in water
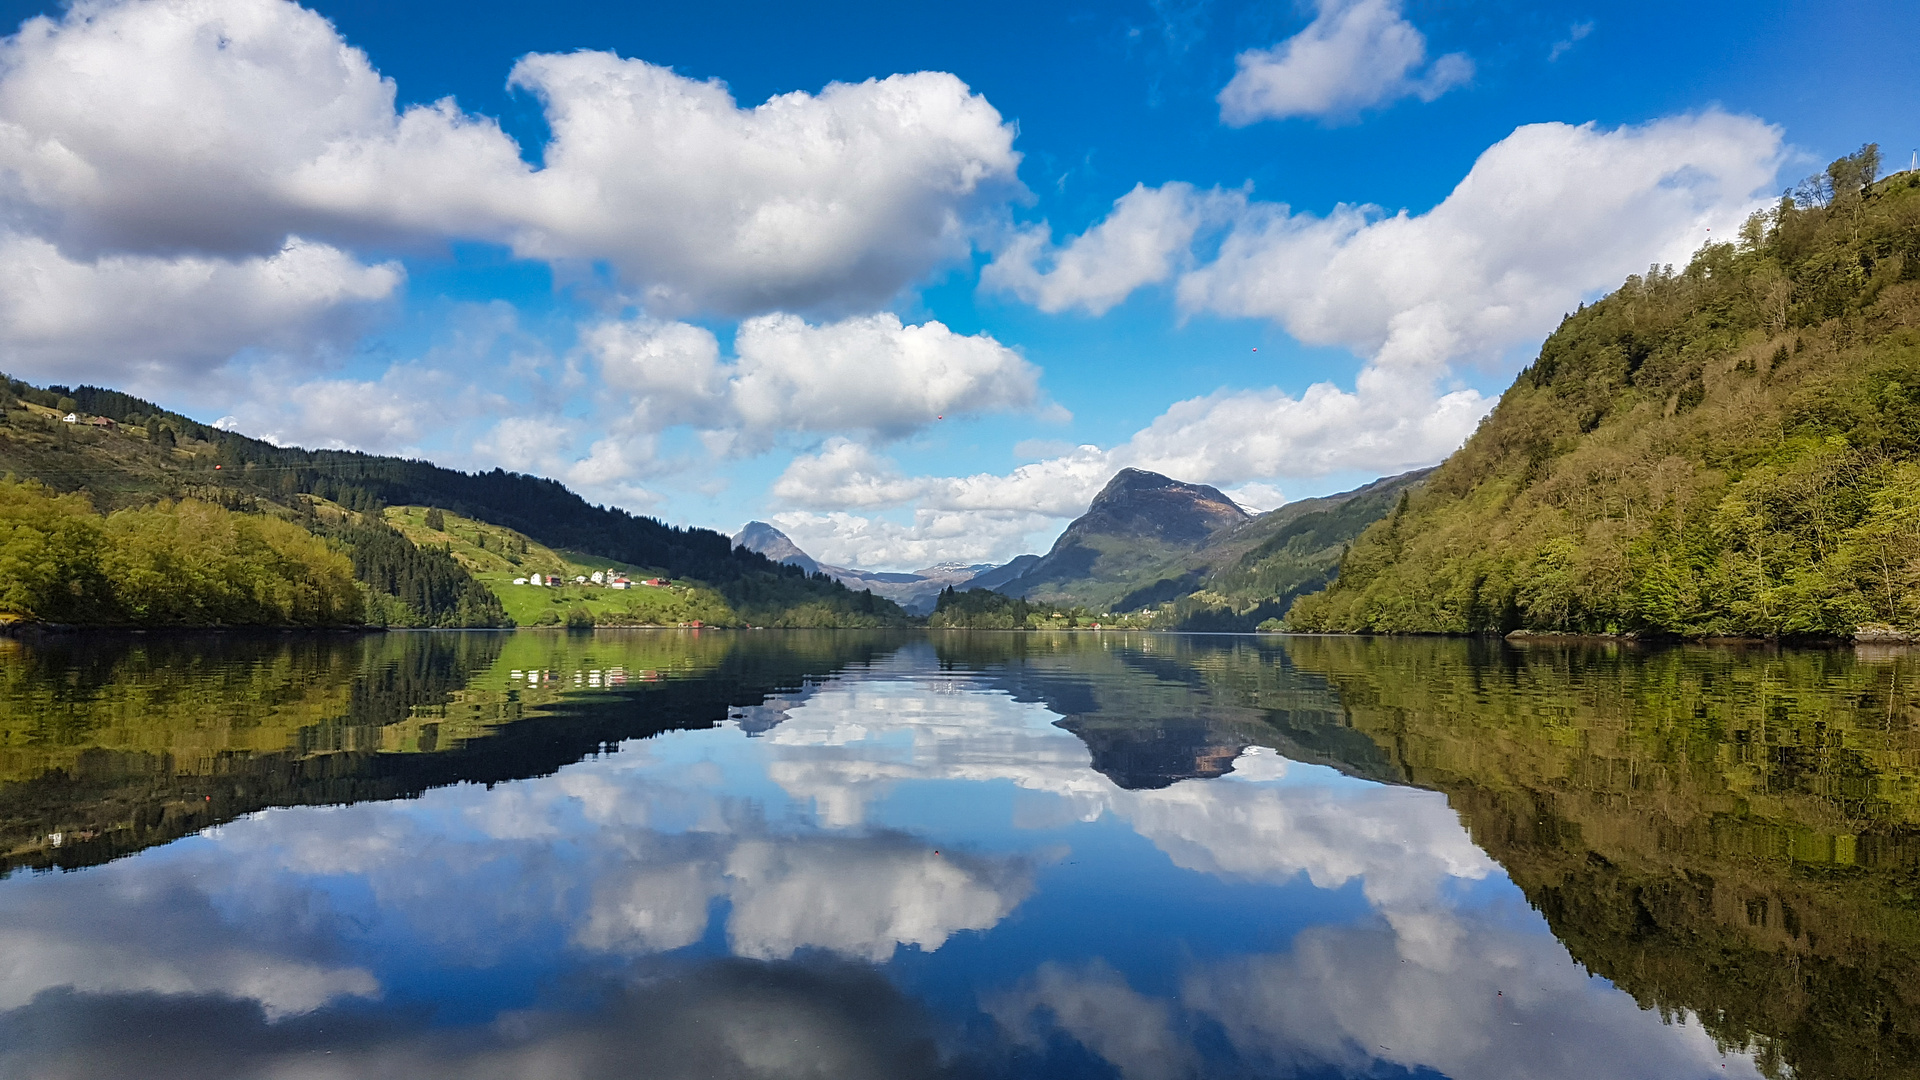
839	854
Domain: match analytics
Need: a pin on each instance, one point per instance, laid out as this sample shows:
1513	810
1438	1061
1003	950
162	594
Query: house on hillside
102	422
70	418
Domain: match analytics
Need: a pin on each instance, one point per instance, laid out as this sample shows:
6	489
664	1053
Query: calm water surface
681	854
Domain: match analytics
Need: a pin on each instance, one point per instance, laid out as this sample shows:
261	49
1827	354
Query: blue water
914	871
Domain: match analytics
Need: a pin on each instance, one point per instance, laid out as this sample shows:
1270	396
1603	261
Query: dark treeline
797	601
980	609
428	586
984	609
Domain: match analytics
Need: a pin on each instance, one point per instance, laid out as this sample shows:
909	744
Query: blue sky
929	275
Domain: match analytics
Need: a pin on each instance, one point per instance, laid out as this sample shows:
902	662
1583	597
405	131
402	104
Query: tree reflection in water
925	853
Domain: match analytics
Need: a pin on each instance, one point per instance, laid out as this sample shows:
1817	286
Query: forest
125	453
541	508
413	586
186	563
1730	449
984	609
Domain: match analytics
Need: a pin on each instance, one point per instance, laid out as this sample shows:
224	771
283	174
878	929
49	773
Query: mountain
761	537
1137	524
1733	449
124	452
1186	552
1250	574
915	592
999	578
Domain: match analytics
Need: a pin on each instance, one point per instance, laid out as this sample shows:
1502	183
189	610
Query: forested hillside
414	586
126	453
188	563
1730	449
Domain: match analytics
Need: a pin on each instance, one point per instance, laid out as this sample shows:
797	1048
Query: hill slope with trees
124	453
1152	551
1733	449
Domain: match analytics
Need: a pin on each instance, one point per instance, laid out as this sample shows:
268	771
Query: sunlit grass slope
497	556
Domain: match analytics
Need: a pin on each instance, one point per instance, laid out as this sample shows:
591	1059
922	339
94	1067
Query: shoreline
26	629
1874	637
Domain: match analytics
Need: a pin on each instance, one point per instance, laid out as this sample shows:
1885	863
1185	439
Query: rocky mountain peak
1146	505
774	544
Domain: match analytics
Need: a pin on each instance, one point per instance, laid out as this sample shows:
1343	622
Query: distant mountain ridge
758	536
1140	519
1149	542
915	592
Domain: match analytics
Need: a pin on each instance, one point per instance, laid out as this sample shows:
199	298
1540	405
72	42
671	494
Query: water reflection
769	854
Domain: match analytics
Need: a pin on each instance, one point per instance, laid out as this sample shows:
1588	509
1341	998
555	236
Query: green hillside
186	563
123	453
1139	526
1155	552
1249	576
498	557
1733	449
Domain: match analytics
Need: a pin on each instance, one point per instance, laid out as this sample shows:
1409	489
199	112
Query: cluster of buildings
608	578
595	679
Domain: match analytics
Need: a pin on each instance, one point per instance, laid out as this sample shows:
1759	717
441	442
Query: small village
605	578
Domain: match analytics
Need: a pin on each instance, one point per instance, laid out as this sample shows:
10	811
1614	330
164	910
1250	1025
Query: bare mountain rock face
915	591
1141	505
774	544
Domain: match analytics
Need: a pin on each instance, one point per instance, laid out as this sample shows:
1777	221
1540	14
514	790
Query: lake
838	854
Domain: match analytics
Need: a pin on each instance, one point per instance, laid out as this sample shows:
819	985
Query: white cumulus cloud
131	319
224	125
149	146
869	373
1148	236
1550	214
833	200
1354	55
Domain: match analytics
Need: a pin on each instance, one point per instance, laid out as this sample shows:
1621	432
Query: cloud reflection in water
709	904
